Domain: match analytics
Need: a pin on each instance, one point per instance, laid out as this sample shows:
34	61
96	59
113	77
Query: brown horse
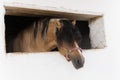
46	34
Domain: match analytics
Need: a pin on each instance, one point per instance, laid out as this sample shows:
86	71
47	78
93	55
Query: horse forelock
64	34
68	33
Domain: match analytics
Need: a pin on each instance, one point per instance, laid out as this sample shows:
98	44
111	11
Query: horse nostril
80	63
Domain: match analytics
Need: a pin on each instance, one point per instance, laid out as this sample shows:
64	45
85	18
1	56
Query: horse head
68	37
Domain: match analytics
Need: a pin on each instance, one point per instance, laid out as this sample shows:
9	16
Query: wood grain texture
21	9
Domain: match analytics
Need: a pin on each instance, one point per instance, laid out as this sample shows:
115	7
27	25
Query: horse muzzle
78	62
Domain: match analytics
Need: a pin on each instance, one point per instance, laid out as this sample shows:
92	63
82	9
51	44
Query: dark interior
84	29
15	24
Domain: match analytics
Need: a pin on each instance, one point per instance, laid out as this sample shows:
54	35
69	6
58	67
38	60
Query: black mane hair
68	33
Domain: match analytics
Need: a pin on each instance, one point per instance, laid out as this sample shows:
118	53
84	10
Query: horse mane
44	22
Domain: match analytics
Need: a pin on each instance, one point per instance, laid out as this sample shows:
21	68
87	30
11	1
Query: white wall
2	29
71	4
100	64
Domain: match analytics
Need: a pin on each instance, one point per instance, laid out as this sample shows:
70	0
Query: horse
46	34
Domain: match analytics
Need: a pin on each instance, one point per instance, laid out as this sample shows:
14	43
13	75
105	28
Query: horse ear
58	24
73	22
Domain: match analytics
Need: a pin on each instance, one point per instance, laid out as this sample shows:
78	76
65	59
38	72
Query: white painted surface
77	5
99	65
55	67
97	33
2	28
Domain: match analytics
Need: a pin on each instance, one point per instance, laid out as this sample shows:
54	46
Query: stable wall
100	64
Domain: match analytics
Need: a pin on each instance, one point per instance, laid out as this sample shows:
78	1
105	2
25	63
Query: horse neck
48	42
50	37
